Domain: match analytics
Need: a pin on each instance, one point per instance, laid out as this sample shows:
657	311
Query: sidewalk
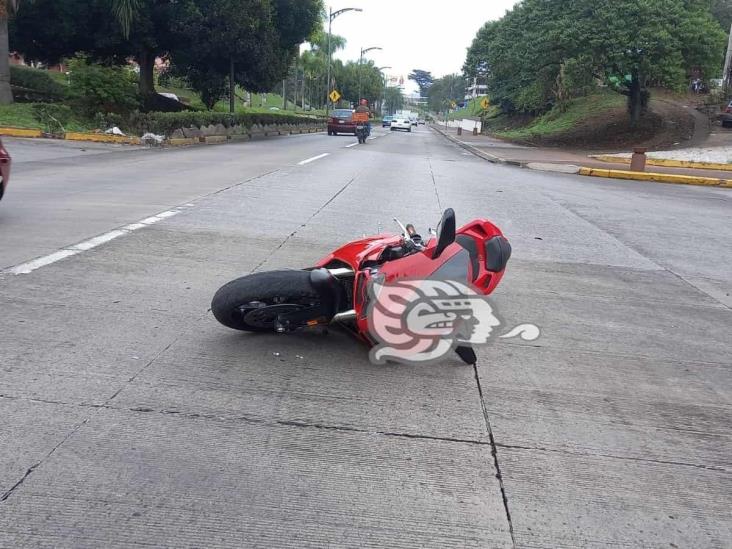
564	161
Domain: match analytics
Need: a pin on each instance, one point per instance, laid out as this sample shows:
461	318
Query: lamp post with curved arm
360	61
332	15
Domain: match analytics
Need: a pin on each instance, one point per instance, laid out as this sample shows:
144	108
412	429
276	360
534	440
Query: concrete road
131	418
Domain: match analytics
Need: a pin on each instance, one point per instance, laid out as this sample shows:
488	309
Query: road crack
303	225
494	452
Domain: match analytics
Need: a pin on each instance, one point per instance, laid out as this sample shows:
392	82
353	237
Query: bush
35	84
94	88
54	117
165	123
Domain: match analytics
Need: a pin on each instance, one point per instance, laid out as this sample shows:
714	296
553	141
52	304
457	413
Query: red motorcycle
336	288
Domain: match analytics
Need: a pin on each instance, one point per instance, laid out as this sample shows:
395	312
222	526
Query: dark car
726	116
386	121
4	169
341	121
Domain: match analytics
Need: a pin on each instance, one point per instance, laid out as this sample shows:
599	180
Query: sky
414	34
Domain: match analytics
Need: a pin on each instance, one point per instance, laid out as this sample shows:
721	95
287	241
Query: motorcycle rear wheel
253	302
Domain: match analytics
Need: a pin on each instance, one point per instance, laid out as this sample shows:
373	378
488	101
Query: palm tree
124	11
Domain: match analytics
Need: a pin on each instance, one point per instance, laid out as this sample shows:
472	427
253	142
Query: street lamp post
360	61
332	15
383	77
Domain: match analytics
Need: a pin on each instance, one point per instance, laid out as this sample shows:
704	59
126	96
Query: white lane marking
313	159
372	138
98	240
31	266
91	243
351	145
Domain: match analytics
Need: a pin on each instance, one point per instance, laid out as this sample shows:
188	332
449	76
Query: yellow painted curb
667	163
20	132
213	139
657	177
178	141
101	138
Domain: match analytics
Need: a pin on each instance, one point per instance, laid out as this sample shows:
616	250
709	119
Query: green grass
557	121
20	115
472	110
193	99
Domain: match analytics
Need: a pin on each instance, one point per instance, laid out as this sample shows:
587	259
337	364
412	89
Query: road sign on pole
485	103
334	96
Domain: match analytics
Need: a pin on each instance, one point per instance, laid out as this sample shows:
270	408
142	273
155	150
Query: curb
477	152
20	132
101	138
657	177
667	163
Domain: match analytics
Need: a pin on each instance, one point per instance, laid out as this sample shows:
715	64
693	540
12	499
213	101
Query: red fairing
367	252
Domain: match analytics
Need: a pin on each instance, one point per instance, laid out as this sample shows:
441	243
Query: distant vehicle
341	121
401	122
5	161
386	121
421	121
726	116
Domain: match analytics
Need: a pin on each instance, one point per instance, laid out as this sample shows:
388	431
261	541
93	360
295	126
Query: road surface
132	419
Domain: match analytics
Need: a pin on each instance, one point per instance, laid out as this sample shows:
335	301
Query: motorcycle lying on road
335	290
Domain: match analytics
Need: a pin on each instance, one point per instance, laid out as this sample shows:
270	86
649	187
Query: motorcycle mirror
446	234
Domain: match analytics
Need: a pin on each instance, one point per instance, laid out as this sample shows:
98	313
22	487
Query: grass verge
559	121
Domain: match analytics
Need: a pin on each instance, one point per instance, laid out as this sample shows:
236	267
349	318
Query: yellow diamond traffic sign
334	96
485	103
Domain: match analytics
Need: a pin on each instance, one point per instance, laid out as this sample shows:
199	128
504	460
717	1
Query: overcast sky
415	34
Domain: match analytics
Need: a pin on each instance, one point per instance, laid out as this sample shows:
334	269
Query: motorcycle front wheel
252	303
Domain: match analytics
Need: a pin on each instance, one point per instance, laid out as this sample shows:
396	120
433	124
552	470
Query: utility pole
332	15
284	94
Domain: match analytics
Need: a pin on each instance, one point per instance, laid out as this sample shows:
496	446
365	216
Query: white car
401	123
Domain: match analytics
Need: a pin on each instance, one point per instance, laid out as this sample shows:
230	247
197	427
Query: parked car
341	121
4	169
726	116
401	123
421	121
386	121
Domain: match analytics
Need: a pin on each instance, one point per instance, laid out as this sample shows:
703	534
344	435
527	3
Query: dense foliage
165	123
202	37
32	84
95	88
543	52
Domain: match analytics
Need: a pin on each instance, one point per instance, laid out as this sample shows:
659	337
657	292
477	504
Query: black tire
273	289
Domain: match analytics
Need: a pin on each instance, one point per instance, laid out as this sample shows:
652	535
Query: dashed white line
91	243
31	266
313	159
351	145
98	240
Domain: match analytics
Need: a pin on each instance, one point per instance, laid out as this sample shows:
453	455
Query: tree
203	37
393	100
528	54
346	77
123	10
722	12
49	30
423	79
248	42
446	90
